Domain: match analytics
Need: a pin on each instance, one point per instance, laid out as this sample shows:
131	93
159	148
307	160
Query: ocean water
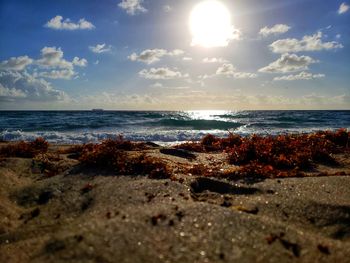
161	127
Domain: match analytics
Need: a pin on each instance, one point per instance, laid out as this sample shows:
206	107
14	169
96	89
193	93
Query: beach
69	212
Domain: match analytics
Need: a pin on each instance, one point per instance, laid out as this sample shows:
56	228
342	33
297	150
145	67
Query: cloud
21	85
187	59
229	70
159	85
58	23
275	30
161	73
58	74
52	57
80	62
301	76
343	8
307	43
132	7
150	56
289	63
167	8
9	94
100	48
16	63
214	60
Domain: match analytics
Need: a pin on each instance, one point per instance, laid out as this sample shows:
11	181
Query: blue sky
133	54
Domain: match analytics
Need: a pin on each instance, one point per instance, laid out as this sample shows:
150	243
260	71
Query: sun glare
210	24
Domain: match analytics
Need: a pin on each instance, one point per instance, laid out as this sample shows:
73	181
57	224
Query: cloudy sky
174	55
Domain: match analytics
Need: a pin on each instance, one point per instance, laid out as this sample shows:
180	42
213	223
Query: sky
174	55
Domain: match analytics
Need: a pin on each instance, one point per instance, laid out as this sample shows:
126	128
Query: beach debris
112	154
211	143
286	155
247	209
50	164
24	149
178	153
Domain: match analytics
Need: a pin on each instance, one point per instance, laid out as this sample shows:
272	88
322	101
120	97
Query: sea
162	127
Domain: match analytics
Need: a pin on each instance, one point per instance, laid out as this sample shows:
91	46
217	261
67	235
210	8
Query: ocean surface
161	127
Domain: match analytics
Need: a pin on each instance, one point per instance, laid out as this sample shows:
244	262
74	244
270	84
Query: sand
84	215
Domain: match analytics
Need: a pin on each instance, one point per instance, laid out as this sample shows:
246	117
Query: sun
210	24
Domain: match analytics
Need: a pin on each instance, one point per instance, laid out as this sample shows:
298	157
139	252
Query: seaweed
286	155
211	143
112	155
25	149
50	164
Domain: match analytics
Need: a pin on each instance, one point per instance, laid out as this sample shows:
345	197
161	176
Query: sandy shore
86	215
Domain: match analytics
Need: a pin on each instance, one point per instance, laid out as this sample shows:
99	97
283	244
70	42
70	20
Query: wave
87	137
199	124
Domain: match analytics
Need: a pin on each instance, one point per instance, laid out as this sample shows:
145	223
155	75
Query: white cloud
187	59
161	73
16	63
275	30
10	93
150	56
214	60
80	62
343	8
52	57
229	70
22	85
58	74
156	85
289	63
100	48
58	23
159	85
307	43
132	7
167	8
301	76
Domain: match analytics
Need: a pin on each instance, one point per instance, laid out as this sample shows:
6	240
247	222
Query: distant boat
98	110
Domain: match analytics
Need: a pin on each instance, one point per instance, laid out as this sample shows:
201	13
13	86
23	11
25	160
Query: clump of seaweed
273	156
25	149
113	155
211	143
50	164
